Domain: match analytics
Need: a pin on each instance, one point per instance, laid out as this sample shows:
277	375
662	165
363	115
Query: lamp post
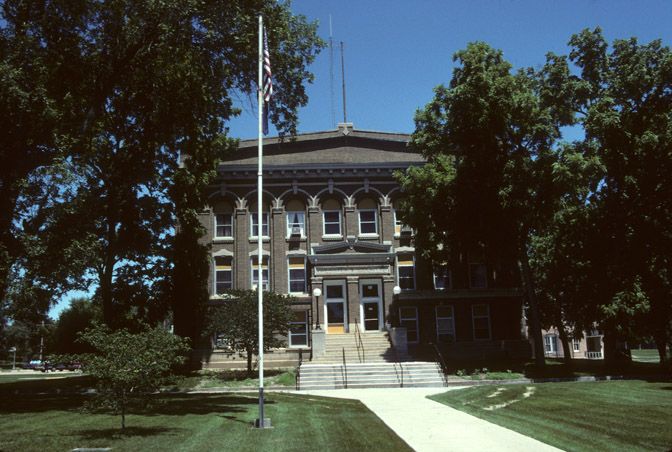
316	293
13	350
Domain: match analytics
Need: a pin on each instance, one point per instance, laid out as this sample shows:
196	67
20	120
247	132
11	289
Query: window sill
222	240
368	236
296	239
328	237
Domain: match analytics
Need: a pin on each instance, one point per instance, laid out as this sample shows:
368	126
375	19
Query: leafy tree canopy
236	320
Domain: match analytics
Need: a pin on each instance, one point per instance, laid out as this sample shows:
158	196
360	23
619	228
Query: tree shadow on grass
161	404
128	432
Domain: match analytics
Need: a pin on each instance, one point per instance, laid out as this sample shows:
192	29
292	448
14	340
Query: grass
611	415
195	422
645	355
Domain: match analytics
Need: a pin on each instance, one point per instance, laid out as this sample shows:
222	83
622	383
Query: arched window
368	217
331	218
296	219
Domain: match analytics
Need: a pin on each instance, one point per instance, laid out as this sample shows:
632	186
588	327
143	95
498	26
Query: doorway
335	307
370	304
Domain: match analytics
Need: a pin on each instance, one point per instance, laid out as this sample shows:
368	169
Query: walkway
426	425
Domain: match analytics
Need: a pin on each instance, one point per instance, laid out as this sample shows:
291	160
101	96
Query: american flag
267	83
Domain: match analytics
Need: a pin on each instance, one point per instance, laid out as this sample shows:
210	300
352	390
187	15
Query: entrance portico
353	277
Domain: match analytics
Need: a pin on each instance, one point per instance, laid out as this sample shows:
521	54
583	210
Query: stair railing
441	362
359	343
345	371
298	371
397	362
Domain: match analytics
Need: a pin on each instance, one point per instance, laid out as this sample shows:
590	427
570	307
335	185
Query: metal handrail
359	344
298	371
442	363
400	373
345	371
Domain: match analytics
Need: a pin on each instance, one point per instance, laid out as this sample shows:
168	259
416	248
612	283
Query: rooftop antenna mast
331	75
345	116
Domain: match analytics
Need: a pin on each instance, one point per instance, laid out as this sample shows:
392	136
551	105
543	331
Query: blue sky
397	51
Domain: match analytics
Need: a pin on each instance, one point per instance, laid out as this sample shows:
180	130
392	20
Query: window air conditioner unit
406	230
296	231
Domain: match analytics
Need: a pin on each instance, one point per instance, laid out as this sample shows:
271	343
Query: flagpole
260	222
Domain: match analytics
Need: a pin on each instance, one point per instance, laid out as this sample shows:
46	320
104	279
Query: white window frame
216	271
473	264
302	222
290	335
397	224
375	222
254	268
473	322
398	266
324	223
576	345
264	225
452	322
289	274
551	344
449	277
403	319
218	225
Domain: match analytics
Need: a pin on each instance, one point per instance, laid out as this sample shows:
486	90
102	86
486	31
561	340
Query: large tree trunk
535	323
250	351
661	339
567	351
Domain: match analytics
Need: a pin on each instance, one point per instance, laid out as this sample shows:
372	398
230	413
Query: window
478	276
408	318
551	343
264	273
480	315
576	345
368	221
223	225
298	329
441	277
397	225
254	219
297	274
332	222
406	272
223	275
445	324
296	224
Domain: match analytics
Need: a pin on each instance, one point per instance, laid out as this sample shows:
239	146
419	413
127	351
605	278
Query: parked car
35	364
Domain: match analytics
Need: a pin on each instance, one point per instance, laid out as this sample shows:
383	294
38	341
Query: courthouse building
329	222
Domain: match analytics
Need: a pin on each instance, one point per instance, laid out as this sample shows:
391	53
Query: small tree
237	321
130	366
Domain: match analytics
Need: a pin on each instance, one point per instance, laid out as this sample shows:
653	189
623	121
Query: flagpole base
265	424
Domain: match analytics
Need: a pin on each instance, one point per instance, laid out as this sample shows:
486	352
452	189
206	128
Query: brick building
329	222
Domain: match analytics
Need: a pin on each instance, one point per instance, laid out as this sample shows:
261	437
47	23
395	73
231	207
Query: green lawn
645	355
195	422
610	415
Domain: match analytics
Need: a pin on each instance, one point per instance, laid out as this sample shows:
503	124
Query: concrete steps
374	347
370	375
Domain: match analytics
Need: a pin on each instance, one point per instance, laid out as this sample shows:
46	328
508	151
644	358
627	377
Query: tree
236	320
621	97
80	315
144	84
487	139
130	367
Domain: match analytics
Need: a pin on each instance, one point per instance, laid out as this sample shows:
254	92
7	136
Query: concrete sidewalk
426	425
